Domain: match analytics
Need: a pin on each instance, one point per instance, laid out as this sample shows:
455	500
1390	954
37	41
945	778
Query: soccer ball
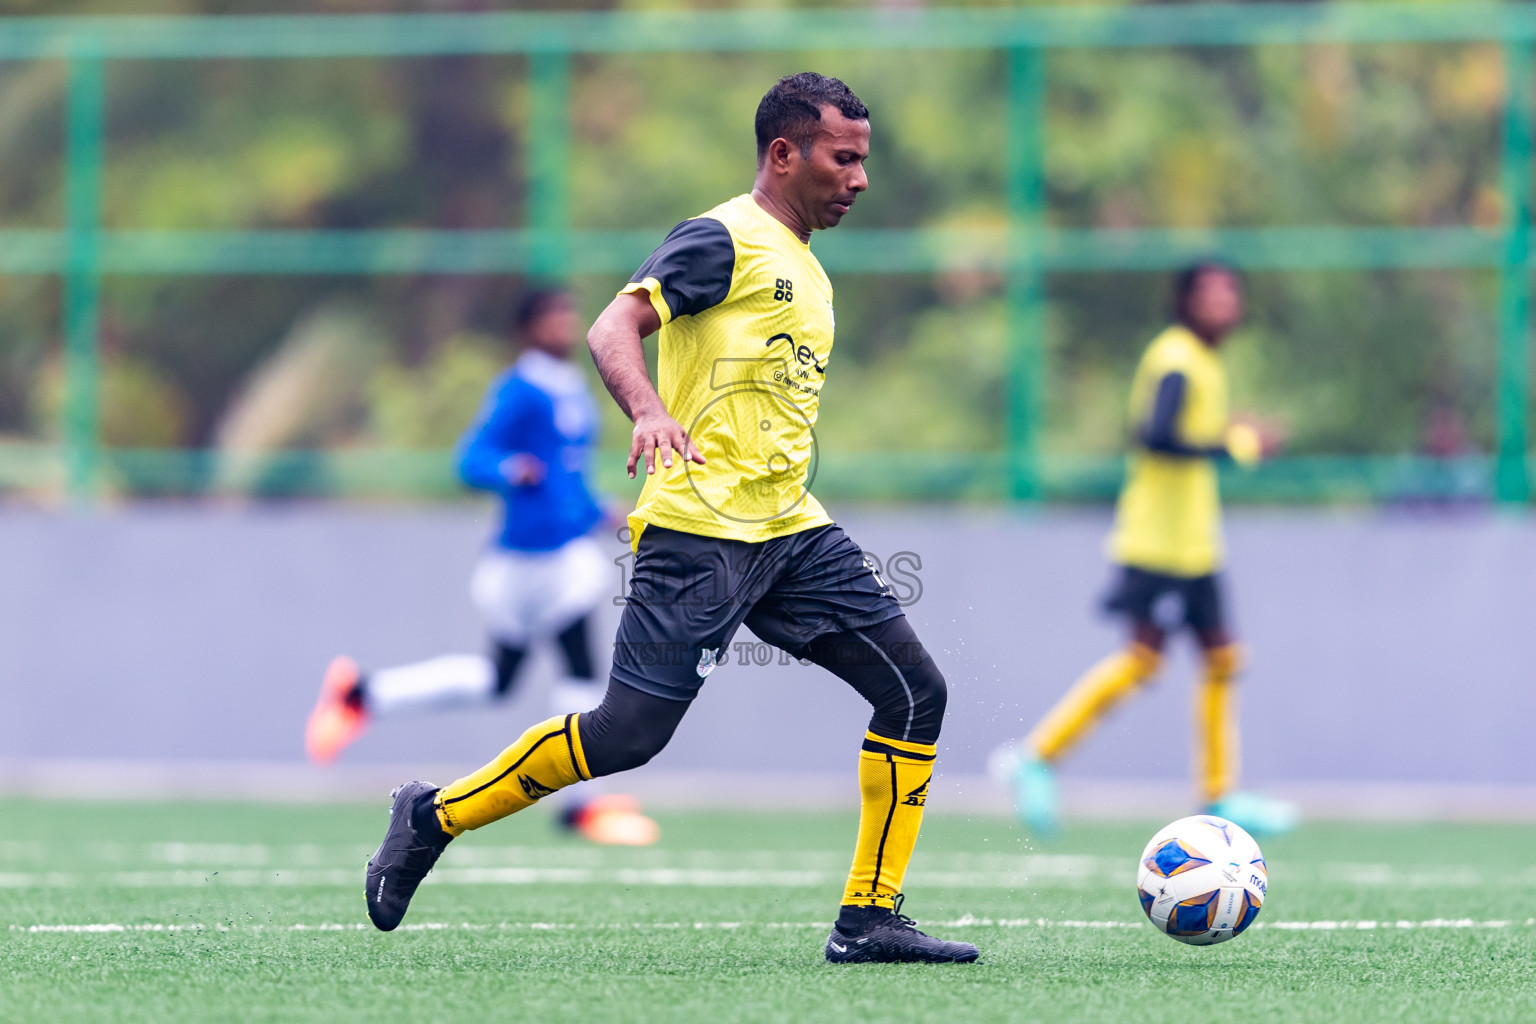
1202	880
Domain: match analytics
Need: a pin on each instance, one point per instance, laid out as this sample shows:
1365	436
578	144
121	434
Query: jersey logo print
783	289
535	789
802	353
918	797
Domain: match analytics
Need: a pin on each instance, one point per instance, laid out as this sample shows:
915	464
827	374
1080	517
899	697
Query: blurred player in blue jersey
539	579
1168	550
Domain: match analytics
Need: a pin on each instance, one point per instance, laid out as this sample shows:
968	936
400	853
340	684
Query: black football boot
874	935
411	846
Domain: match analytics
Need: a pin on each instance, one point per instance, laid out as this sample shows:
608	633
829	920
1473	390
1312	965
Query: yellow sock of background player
1089	699
893	789
1216	732
545	759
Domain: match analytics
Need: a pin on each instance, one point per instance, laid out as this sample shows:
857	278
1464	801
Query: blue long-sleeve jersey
539	407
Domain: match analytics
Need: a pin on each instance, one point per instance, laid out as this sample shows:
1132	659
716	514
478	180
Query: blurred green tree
1357	362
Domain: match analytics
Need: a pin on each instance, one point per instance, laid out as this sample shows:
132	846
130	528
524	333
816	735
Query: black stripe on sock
874	885
519	763
570	744
876	747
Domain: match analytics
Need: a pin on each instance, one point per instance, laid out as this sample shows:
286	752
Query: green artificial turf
251	912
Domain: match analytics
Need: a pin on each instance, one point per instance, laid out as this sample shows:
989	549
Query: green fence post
1025	294
549	164
82	284
1511	480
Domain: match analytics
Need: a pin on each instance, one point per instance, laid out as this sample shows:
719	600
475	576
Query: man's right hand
657	436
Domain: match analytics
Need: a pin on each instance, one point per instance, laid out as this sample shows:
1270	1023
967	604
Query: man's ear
779	154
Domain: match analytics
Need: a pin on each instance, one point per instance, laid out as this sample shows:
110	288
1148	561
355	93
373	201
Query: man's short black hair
534	305
792	109
1185	280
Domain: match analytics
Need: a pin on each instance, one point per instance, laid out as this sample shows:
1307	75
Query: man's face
1215	305
556	329
826	179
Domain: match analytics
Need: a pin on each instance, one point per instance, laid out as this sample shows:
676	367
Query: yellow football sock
545	759
893	788
1091	697
1216	733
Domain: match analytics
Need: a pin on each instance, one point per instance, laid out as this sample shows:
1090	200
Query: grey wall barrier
1385	646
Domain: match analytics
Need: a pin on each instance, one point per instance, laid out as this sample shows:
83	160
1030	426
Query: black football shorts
689	594
1168	602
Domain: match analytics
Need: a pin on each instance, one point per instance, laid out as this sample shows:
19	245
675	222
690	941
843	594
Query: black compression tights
890	668
885	663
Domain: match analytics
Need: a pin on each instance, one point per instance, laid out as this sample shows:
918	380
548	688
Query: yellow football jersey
746	314
1169	516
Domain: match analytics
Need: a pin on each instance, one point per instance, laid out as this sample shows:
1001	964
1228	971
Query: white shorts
526	595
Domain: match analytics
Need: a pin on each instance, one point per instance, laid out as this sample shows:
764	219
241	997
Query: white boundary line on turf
688	877
703	878
963	922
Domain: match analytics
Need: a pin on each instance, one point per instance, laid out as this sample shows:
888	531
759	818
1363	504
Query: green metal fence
1026	250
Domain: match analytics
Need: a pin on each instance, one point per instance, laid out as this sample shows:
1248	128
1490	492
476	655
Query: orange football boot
336	721
614	820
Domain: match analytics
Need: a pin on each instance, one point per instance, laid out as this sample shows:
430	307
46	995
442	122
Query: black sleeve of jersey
1161	434
693	266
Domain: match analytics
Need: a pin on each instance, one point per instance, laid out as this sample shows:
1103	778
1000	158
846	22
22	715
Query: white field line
26	865
1032	873
249	878
251	855
182	864
690	877
967	921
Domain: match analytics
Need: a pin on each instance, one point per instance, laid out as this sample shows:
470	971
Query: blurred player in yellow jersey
1167	545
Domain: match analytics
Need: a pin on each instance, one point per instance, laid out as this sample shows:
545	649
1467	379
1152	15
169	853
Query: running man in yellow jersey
727	533
1168	546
